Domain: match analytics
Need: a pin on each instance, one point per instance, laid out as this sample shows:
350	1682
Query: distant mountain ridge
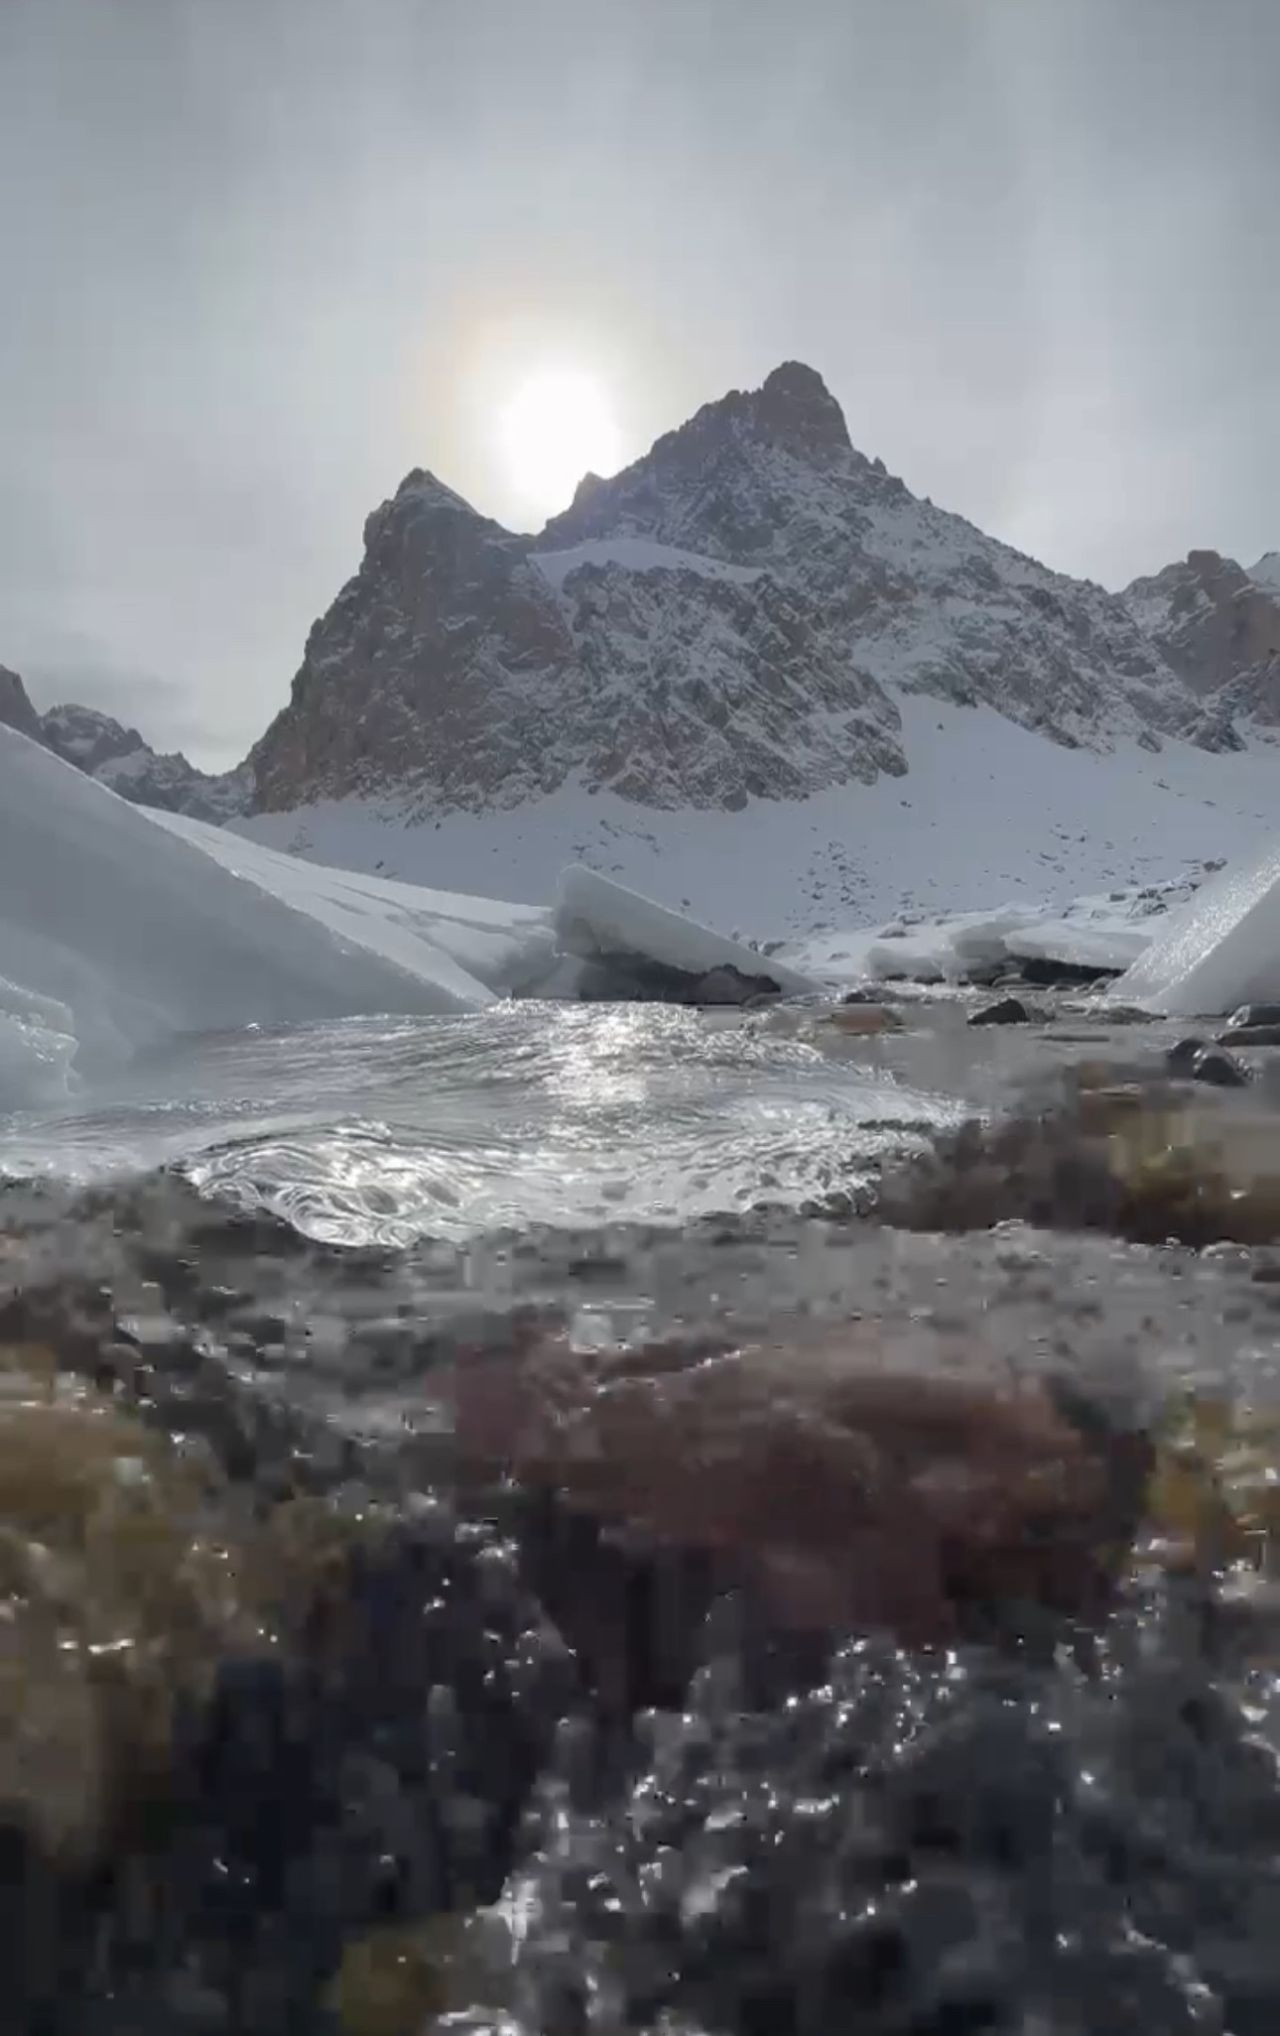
103	748
734	616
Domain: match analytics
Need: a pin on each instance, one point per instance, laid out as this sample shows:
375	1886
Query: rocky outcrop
733	617
16	710
1219	628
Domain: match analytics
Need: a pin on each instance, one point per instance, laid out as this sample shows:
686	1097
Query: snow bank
597	917
115	932
1220	950
471	946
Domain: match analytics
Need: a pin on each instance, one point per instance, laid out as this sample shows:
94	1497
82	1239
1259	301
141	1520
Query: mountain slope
734	617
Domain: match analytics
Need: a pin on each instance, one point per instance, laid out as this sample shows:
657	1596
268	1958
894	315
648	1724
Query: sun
558	426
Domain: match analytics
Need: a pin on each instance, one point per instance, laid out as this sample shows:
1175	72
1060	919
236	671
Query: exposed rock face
118	757
1219	628
730	618
16	710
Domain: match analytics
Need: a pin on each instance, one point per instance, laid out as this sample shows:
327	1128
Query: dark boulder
636	979
1183	1054
1009	1011
1221	1070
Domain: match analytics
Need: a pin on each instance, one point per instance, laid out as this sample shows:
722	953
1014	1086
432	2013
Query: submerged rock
1008	1011
236	1736
858	1021
849	1489
1181	1057
1220	1070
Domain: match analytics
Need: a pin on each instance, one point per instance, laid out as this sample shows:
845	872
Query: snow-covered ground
989	814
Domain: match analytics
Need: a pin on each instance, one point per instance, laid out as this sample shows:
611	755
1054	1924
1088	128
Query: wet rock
1125	1155
728	985
1249	1015
1119	1014
1183	1054
1250	1035
847	1491
235	1737
858	1021
1219	1070
1009	1011
389	1984
1048	974
635	979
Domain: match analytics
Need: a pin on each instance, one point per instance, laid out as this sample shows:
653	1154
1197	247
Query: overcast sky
262	256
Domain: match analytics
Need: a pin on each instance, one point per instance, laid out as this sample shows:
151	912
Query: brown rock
860	1020
848	1488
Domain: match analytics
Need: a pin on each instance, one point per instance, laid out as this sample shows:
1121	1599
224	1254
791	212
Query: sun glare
557	426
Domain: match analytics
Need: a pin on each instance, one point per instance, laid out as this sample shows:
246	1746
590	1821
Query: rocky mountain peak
796	408
736	615
1219	629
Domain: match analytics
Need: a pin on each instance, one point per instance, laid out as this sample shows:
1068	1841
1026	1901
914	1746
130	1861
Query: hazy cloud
262	256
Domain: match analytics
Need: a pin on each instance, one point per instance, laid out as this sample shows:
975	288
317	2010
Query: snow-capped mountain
117	756
1219	627
734	617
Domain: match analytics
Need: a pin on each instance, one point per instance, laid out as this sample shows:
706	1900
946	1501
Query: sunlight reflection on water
380	1131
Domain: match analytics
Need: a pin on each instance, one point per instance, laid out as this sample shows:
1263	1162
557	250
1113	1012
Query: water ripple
381	1131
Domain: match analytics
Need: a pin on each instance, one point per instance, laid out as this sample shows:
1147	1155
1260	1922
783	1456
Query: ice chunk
473	946
37	1045
1084	943
1220	950
595	916
118	934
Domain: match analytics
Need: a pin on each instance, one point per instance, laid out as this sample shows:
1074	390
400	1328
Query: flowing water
380	1131
540	1778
